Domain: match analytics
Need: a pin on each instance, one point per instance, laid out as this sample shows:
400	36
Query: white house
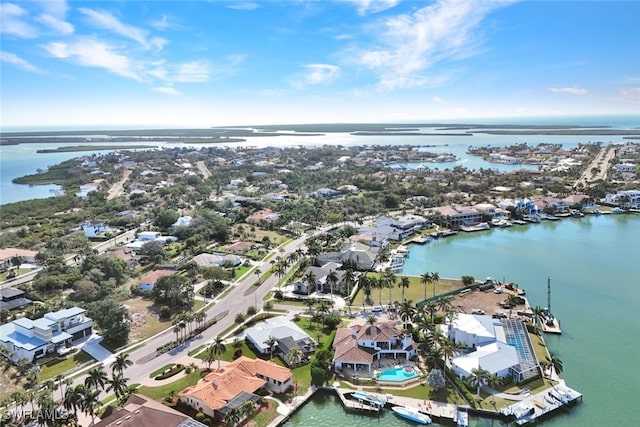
31	339
147	236
500	347
284	331
93	228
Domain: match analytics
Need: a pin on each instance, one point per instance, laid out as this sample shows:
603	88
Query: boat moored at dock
412	414
369	399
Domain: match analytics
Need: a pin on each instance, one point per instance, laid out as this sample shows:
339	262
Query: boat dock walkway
538	405
429	407
551	326
353	404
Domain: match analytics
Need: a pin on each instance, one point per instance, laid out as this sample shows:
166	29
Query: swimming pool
397	374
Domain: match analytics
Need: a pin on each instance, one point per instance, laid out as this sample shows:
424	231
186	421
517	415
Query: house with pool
501	347
359	347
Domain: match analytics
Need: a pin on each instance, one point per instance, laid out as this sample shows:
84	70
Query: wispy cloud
19	62
162	23
90	52
569	90
408	45
58	25
168	90
14	22
373	6
246	5
317	74
105	20
437	100
629	94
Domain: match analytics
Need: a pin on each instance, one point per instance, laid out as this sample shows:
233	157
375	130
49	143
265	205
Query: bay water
594	265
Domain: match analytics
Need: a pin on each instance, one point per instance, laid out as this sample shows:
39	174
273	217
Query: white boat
369	399
412	414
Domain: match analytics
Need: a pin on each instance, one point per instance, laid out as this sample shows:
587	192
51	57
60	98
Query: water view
595	271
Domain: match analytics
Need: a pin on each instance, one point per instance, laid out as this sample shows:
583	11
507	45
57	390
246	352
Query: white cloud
629	94
317	74
437	100
373	6
162	23
244	6
89	52
13	21
19	62
407	45
569	90
192	72
168	90
55	8
105	20
58	25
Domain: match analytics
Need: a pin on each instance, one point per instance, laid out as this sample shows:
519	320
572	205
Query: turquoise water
397	375
594	264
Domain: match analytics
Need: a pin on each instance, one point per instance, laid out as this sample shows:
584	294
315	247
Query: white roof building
279	328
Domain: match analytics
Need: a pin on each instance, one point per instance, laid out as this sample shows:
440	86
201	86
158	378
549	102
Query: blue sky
208	63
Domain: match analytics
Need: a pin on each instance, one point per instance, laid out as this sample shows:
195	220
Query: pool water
397	374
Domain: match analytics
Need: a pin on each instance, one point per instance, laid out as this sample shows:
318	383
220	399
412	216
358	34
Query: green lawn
415	292
164	390
263	419
60	366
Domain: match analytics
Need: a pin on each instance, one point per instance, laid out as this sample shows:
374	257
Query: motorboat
369	399
411	414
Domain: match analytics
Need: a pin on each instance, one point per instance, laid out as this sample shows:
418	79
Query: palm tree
349	280
425	279
390	280
430	308
294	357
72	396
121	362
332	280
271	343
200	318
404	283
176	330
435	278
406	311
118	384
478	377
233	417
310	279
257	273
90	402
97	378
556	363
216	349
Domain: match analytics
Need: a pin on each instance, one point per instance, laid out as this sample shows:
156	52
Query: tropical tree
215	349
332	280
390	280
72	399
294	357
96	378
349	280
271	342
435	278
90	402
310	279
468	280
406	311
478	377
233	417
425	279
121	362
555	362
404	283
436	380
200	318
118	384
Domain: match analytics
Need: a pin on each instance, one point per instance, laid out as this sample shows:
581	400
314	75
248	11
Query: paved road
600	161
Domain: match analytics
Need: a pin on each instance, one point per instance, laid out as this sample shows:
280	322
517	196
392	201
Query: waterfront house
264	215
233	385
359	346
362	255
287	334
501	347
32	339
625	199
456	216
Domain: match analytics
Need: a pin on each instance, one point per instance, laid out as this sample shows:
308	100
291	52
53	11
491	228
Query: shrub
251	310
168	373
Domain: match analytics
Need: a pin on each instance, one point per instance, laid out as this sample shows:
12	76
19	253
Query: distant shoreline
74	148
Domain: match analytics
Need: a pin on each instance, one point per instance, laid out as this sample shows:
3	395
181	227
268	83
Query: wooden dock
551	326
352	404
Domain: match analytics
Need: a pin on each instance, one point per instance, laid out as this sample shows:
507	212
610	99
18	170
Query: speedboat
369	399
411	414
